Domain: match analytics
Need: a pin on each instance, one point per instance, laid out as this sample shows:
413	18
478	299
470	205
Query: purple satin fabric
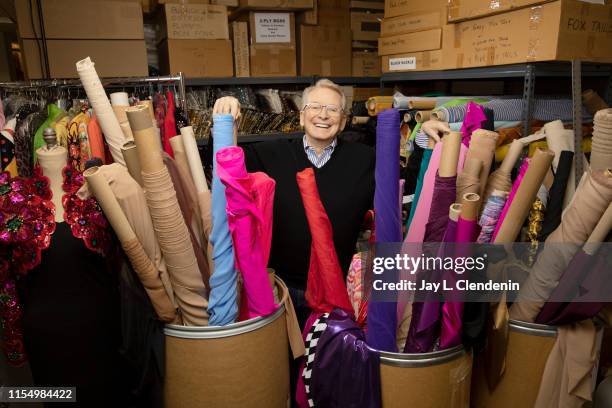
585	281
382	316
444	194
474	118
424	325
346	371
249	198
452	312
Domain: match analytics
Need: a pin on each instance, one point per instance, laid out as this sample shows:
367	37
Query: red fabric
96	141
169	124
325	289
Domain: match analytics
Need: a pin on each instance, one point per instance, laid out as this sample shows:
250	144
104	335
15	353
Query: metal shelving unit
233	81
261	137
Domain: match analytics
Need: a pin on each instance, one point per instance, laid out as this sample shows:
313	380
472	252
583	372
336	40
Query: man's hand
435	129
228	105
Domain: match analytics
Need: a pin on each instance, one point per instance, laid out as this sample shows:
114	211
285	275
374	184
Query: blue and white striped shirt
319	160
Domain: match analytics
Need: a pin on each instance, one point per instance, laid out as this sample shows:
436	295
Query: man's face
320	123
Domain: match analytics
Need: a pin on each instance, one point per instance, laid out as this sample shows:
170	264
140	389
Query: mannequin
71	318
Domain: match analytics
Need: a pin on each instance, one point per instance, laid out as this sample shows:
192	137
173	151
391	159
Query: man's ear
343	123
302	118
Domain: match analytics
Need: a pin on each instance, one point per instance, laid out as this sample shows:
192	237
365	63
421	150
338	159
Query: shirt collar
330	146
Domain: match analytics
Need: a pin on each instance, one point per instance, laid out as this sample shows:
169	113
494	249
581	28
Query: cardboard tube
123	121
180	156
360	120
438	116
454	211
378	104
600	232
149	105
468	181
524	197
107	200
514	152
407	117
451	144
423	116
193	158
132	162
99	101
593	101
470	206
146	139
119	99
423	104
482	146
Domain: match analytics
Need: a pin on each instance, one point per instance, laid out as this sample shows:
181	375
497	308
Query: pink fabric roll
416	232
250	197
515	186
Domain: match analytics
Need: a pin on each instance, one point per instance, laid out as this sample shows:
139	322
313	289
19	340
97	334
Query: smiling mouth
322	126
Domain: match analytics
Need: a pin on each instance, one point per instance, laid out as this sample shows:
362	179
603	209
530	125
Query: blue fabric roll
222	305
382	316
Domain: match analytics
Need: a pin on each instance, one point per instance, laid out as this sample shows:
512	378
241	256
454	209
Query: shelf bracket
528	96
608	96
577	118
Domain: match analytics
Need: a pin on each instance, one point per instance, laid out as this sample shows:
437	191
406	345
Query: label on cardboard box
197	22
272	27
401	64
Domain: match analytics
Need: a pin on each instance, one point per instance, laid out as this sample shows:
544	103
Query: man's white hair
324	83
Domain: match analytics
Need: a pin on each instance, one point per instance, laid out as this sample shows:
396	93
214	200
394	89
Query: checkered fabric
312	338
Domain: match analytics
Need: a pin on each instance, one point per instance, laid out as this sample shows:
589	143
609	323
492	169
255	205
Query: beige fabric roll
500	179
579	220
123	121
468	181
180	157
568	379
559	139
403	327
593	101
104	112
601	146
482	147
130	154
170	228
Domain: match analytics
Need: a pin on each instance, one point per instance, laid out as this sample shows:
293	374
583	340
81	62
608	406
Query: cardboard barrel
439	379
244	364
529	345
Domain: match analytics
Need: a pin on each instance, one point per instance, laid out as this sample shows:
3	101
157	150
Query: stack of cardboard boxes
109	31
365	27
411	35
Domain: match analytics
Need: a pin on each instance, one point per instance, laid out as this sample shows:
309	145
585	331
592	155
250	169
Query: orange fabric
96	142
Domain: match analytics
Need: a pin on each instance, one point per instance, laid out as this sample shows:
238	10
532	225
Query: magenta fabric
515	186
416	232
452	312
444	194
250	198
473	120
169	124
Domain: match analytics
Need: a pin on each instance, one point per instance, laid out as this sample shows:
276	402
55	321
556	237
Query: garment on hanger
169	124
8	161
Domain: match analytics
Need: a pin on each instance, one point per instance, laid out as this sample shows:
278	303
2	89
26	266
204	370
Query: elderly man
345	178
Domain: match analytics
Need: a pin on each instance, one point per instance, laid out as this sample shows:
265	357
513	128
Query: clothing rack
178	79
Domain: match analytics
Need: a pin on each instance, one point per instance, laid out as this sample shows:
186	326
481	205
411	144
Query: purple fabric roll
452	312
584	281
424	325
382	316
444	194
346	371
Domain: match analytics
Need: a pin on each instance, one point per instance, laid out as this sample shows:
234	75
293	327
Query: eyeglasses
316	108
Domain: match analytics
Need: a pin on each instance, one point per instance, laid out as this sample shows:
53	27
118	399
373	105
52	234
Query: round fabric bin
529	345
440	379
244	364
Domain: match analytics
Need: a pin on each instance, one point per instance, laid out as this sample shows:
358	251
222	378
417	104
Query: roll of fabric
377	104
474	118
382	316
601	148
589	204
169	123
443	196
468	181
423	116
222	306
500	179
168	222
482	147
519	206
552	215
97	97
490	215
249	210
96	140
130	155
515	187
559	139
419	186
593	102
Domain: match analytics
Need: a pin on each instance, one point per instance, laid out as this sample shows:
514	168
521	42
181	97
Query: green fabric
53	111
419	186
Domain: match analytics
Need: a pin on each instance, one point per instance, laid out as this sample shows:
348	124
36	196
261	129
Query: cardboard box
394	8
194	22
365	26
310	17
418	41
368	5
82	19
228	3
240	36
363	94
459	10
334	13
185	1
412	22
113	58
269	60
365	45
366	64
197	58
416	61
561	30
276	4
325	50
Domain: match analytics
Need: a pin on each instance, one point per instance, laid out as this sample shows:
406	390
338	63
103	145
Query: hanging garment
250	198
417	193
222	303
24	139
169	124
8	162
552	215
2	117
474	119
53	111
346	372
382	316
78	144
